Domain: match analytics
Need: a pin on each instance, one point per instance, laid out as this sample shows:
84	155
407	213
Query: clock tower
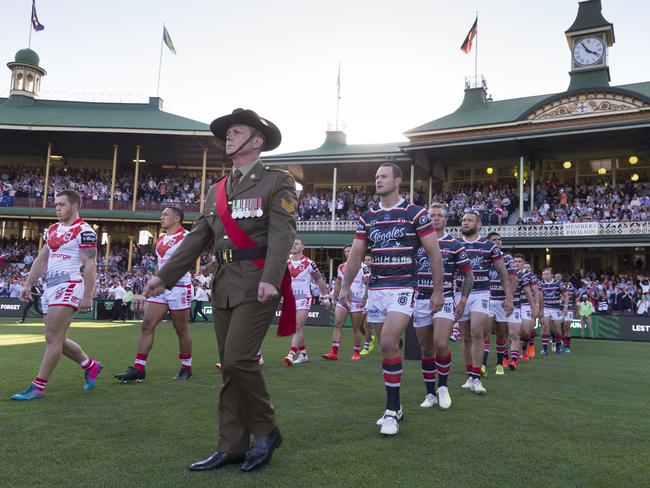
589	37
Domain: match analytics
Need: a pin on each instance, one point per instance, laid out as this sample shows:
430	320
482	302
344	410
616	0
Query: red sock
186	361
303	350
87	364
140	361
39	383
335	347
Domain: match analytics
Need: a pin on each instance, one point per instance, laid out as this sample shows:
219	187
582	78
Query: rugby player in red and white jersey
359	289
367	328
303	272
70	245
177	301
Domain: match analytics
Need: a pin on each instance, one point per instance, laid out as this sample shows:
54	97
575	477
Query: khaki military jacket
274	191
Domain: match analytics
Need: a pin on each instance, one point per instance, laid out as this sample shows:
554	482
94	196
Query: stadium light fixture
634	177
489	170
139	160
566	164
602	171
56	157
633	159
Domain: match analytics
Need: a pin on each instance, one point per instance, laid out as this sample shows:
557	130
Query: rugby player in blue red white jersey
502	327
433	330
554	295
176	301
568	309
482	254
69	261
394	230
529	305
359	296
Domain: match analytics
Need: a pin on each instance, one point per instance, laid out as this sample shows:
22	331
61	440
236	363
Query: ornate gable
589	104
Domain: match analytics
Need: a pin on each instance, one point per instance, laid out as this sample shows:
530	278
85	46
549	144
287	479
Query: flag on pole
168	40
35	23
466	47
338	83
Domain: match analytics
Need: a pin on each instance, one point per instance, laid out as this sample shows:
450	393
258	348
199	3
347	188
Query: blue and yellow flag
168	40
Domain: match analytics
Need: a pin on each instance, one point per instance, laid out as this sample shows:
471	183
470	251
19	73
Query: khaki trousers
244	404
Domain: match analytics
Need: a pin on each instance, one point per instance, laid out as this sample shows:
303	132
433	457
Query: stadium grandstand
563	177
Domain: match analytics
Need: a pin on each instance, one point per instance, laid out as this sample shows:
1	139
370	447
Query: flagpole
338	96
31	12
476	55
160	61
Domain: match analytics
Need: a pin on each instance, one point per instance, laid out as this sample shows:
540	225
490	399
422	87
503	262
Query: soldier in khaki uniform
263	202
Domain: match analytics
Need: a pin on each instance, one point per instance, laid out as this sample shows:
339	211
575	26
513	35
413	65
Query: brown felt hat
272	135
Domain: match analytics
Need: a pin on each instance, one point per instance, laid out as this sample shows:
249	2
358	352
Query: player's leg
514	330
154	312
466	347
179	320
57	321
340	312
442	326
370	336
357	321
477	331
298	352
501	333
546	331
566	331
423	325
556	327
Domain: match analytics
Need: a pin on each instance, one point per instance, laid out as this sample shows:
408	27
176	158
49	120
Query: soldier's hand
344	296
266	292
436	302
155	286
25	294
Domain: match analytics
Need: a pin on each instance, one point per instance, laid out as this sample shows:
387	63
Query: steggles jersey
454	260
552	293
526	278
482	254
359	283
497	292
166	247
393	235
571	291
302	273
64	243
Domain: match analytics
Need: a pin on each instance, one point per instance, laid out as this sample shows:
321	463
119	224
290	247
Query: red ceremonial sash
287	324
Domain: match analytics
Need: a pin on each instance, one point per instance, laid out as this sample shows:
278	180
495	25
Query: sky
401	63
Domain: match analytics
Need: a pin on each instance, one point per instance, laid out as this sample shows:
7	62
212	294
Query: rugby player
359	296
473	322
433	331
568	310
554	295
303	272
69	261
528	304
177	301
497	319
394	229
366	328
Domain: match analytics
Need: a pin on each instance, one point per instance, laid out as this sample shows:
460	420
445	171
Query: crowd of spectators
95	184
599	202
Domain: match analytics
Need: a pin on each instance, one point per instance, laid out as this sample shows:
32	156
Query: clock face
588	51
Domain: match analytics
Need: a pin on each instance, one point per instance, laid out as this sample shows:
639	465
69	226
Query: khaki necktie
234	179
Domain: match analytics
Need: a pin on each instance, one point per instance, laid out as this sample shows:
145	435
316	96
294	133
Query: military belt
234	255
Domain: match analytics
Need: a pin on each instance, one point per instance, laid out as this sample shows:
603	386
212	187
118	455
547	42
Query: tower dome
26	73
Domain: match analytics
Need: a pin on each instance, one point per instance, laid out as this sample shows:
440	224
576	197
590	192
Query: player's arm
529	296
324	292
500	266
352	266
565	301
540	302
39	266
430	244
89	260
337	289
468	284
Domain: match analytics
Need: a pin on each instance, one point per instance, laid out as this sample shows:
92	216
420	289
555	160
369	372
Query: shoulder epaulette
275	168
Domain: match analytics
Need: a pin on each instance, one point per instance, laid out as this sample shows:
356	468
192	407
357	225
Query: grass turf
575	420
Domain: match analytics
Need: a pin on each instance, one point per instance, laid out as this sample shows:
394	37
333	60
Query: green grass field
576	420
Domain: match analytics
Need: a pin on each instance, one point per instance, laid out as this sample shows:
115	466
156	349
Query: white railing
525	231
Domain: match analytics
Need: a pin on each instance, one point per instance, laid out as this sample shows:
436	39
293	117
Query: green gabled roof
477	111
21	111
335	145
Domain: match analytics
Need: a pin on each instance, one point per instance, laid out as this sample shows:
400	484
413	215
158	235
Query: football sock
392	368
335	347
140	361
87	363
39	383
186	361
443	366
502	351
429	374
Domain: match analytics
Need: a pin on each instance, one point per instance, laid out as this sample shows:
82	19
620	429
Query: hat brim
272	135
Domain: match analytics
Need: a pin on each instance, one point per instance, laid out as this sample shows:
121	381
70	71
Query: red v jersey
302	274
64	243
58	234
166	247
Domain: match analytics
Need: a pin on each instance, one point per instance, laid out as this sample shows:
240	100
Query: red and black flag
466	47
35	23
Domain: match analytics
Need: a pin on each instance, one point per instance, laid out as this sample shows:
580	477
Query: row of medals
246	208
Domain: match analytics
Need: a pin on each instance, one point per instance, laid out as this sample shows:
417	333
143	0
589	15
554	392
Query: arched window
29	82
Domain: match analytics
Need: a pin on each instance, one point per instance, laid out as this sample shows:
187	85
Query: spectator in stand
116	292
643	306
585	310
